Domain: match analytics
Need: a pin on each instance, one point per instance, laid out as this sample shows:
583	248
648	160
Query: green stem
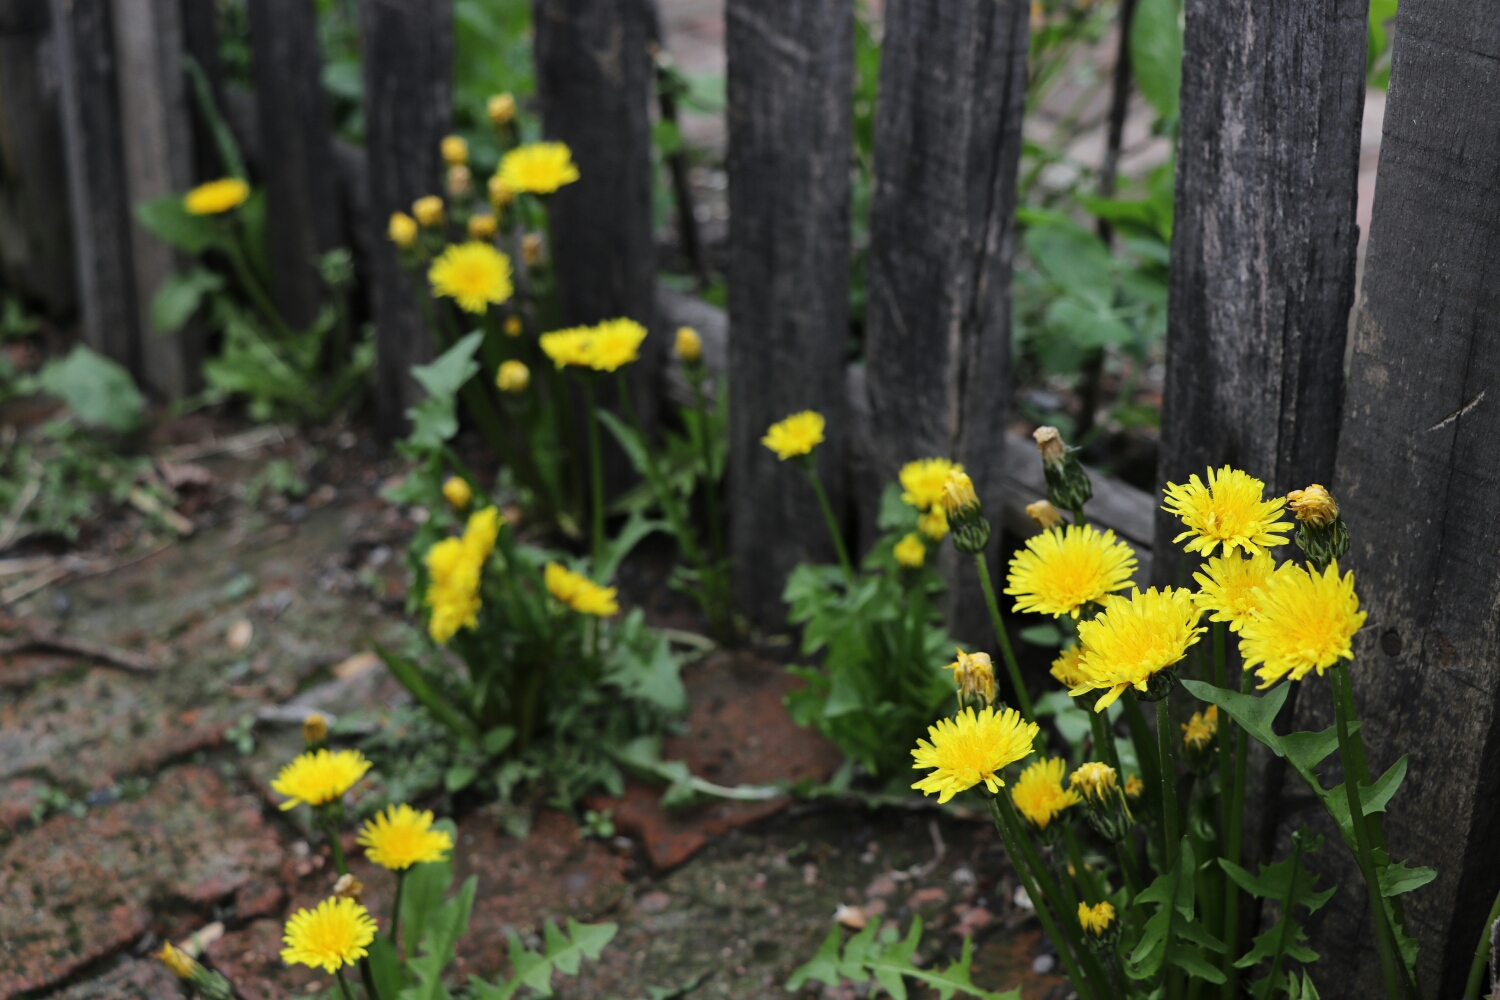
1002	637
396	909
1168	763
1079	518
1145	744
1080	873
1481	954
596	471
343	984
670	505
528	709
252	287
833	524
1125	849
1098	725
710	486
1362	842
330	820
1233	829
1286	918
1063	944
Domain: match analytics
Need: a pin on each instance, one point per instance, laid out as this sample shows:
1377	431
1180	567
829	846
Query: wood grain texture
299	173
408	56
158	143
790	118
97	186
942	234
1263	246
200	39
1418	483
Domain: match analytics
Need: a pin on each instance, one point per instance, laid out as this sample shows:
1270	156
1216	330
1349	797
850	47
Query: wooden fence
1262	284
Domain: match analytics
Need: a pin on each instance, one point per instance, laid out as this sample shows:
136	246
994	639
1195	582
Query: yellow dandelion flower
1096	919
910	552
1134	786
1313	506
797	435
688	346
473	274
482	227
320	777
428	210
501	108
1039	794
922	482
958	492
974	673
455	150
1228	511
934	523
1200	730
178	961
1097	781
401	837
216	197
1229	587
454	566
1068	667
513	376
402	230
568	347
615	343
540	168
1061	570
970	748
579	592
1133	640
1305	621
335	934
458	492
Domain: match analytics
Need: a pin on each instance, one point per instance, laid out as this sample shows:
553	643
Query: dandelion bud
460	181
429	211
482	227
209	985
500	195
1108	812
531	249
1321	532
315	731
1198	740
974	673
349	887
1101	931
1044	514
689	346
502	109
513	326
1068	486
455	150
910	552
456	491
513	376
402	230
971	532
1134	786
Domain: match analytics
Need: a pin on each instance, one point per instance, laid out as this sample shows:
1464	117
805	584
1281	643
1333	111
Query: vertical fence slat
790	91
408	56
937	336
200	40
1417	483
97	186
157	136
301	180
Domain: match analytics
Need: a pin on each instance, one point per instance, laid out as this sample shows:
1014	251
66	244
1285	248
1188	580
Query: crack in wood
1462	411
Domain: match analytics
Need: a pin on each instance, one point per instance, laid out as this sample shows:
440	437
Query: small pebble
1043	964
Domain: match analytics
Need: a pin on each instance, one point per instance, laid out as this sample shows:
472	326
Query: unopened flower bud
458	492
460	181
689	345
429	211
1107	809
1321	532
1134	786
513	376
209	985
455	150
1068	485
531	249
402	230
971	532
1044	514
502	109
974	673
513	326
349	887
482	227
315	731
500	195
1198	740
1101	931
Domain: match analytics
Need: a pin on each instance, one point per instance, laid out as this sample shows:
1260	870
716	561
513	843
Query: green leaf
634	531
1088	325
889	962
1375	798
1156	54
454	367
1193	961
459	777
496	740
822	967
385	968
433	421
1254	714
411	677
645	669
1074	258
170	221
534	969
422	894
179	296
629	441
440	937
1397	879
1042	635
98	391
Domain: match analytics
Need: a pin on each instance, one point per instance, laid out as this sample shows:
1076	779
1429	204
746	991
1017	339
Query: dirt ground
134	804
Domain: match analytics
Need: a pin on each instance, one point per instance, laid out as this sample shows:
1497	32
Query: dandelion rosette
401	837
216	197
474	274
319	777
970	748
454	568
1305	621
1229	587
1136	642
910	552
538	168
1061	570
922	482
1039	794
336	933
1228	512
797	435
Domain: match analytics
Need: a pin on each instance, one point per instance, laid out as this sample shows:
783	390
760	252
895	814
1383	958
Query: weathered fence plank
790	92
36	254
299	173
200	40
1417	480
97	185
937	335
408	55
158	142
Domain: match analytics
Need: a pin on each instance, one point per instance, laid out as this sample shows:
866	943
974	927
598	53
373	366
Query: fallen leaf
354	666
853	917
